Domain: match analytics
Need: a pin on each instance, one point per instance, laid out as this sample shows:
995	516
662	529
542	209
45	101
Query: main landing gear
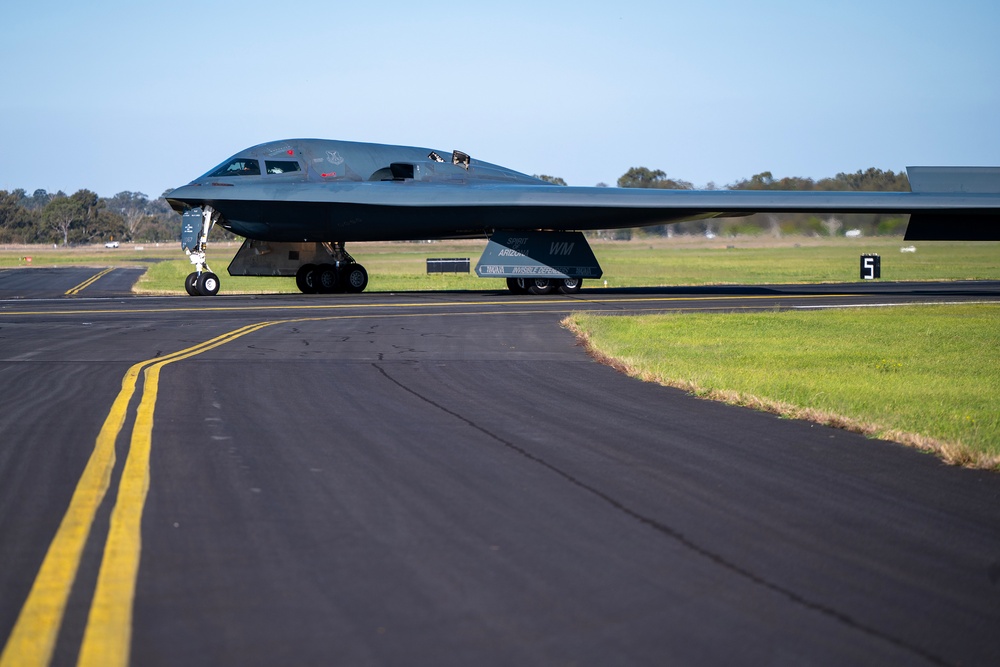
544	285
342	274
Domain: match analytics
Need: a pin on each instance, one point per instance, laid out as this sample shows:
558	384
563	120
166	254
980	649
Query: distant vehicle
852	233
111	244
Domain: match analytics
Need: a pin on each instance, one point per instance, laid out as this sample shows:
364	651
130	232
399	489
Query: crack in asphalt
678	536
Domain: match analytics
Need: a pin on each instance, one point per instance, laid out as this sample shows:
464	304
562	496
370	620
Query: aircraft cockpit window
238	167
281	166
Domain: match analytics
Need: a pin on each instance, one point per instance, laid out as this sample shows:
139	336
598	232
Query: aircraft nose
186	194
189	189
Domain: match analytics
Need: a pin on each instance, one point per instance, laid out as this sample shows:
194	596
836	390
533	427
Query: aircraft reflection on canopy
298	202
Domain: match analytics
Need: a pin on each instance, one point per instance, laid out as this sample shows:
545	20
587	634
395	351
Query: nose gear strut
197	225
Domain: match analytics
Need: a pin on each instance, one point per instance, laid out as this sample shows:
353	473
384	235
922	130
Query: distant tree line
871	180
775	224
84	217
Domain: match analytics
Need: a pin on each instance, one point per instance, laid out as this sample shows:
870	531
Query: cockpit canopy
326	161
242	166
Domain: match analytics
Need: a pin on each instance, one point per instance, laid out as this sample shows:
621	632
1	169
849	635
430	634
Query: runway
448	479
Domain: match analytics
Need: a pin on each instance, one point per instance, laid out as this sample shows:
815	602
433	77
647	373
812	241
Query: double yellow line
73	291
107	638
108	633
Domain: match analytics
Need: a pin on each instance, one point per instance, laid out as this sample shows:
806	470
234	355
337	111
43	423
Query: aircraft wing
301	200
364	192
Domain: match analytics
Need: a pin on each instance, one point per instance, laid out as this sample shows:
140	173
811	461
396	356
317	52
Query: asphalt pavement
448	479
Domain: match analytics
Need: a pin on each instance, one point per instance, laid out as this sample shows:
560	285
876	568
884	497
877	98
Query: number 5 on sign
871	268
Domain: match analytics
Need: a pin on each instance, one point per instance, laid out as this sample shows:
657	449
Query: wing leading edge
321	190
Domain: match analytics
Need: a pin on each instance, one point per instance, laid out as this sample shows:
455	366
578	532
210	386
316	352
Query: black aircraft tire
191	284
541	286
517	286
354	278
570	285
305	278
325	279
208	284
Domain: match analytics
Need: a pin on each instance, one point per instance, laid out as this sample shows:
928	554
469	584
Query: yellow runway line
88	282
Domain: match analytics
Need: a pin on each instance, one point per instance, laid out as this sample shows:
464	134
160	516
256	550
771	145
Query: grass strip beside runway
927	376
641	262
400	267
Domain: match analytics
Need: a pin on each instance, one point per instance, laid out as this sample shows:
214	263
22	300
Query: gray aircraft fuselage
322	191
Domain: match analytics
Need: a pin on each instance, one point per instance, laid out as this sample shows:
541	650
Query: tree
162	224
871	179
554	180
18	224
132	206
89	201
765	181
96	222
61	214
37	201
641	177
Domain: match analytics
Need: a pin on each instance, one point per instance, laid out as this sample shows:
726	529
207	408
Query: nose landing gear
194	238
205	283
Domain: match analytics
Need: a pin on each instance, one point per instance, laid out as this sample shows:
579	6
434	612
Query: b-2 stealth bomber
298	202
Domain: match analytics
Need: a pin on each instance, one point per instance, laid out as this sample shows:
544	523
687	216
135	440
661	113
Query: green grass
922	375
392	267
47	256
396	267
791	261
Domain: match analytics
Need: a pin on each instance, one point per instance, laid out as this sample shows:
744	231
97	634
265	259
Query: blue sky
116	96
